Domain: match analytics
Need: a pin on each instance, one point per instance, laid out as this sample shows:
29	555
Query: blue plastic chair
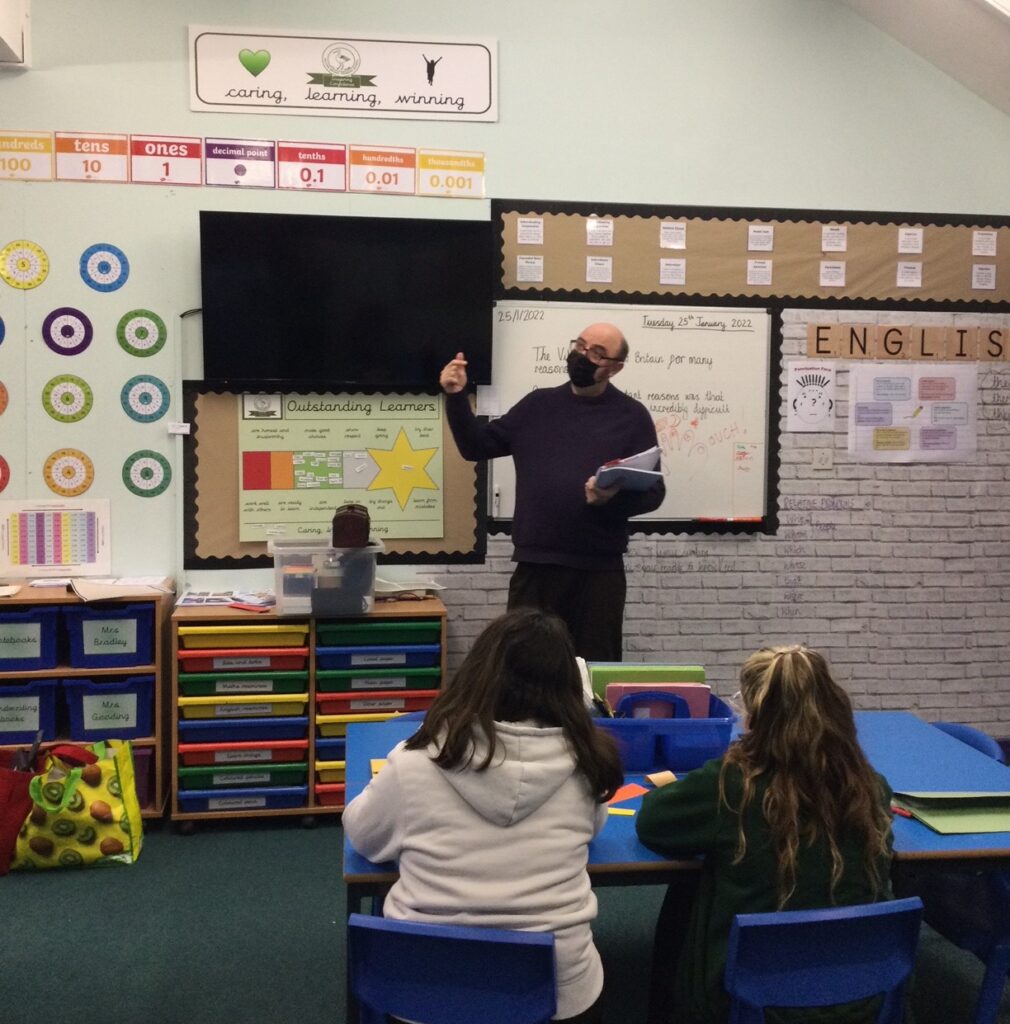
972	908
807	958
450	974
974	738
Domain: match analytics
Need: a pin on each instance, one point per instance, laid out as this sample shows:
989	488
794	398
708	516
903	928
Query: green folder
954	813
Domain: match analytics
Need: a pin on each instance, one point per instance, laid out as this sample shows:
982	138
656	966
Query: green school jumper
686	817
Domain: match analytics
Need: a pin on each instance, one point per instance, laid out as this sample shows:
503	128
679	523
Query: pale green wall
787	103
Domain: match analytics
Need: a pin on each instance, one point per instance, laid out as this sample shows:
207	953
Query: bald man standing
569	535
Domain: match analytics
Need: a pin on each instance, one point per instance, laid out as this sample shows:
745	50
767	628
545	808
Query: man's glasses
596	353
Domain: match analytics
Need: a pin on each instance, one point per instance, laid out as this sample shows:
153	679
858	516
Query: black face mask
581	370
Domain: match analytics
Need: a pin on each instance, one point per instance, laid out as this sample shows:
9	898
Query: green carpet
244	922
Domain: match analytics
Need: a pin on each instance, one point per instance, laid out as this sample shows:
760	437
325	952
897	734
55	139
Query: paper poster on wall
912	412
234	70
54	538
810	396
302	456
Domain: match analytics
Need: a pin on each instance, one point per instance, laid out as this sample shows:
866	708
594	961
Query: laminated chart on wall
912	412
104	267
67	398
302	456
68	472
67	331
141	332
23	264
702	373
147	474
144	398
54	537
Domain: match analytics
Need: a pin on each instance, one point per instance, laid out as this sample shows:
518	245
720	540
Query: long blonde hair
801	737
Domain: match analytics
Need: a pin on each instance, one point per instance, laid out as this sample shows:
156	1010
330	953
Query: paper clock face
147	474
67	398
141	332
68	472
4	398
67	331
144	399
23	264
104	267
5	473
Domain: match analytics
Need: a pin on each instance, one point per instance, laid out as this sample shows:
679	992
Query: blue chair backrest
822	958
974	738
450	974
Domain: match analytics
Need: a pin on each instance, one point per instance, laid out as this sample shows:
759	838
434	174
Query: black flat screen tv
343	303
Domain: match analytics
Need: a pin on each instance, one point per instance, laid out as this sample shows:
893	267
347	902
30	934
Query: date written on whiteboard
515	316
697	322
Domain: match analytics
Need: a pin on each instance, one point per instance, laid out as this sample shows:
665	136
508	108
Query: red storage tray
237	659
377	700
248	752
330	794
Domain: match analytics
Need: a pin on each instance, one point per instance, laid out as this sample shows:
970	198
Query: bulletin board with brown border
963	260
211	475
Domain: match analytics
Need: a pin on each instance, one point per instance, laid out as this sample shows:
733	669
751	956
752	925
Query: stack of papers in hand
635	473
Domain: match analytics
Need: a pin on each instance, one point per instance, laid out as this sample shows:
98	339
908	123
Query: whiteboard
703	374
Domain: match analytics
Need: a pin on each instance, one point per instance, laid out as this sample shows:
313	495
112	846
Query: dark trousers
670	936
590	602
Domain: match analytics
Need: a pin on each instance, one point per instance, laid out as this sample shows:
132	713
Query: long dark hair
801	737
521	668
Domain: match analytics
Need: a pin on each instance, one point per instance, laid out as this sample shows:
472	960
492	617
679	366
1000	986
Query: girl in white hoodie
490	806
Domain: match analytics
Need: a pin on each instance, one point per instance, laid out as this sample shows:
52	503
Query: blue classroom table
908	752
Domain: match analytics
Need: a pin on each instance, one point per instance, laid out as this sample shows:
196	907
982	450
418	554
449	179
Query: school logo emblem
341	61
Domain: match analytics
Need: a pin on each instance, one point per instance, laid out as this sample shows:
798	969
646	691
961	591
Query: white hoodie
503	848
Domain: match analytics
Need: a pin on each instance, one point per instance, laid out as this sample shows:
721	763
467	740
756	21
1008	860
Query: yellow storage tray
330	771
283	634
250	705
336	725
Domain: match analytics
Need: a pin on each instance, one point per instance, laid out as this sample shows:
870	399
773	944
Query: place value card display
88	156
382	169
443	173
26	155
240	163
317	166
166	160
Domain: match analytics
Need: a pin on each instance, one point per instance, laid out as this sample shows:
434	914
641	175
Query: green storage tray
212	684
341	634
343	680
603	672
222	776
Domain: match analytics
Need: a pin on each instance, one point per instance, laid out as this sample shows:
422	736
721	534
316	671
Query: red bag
15	804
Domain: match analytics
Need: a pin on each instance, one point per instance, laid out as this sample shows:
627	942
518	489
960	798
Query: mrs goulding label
440	79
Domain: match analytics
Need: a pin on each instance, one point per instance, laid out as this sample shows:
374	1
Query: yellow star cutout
402	468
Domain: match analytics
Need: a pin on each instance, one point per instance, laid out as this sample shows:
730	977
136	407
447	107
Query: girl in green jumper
792	817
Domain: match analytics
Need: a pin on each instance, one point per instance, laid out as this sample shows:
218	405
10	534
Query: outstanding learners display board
703	374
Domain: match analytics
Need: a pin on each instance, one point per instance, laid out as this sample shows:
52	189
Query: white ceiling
967	39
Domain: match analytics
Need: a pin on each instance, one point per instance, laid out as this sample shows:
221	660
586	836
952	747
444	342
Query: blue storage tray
677	744
207	730
26	709
331	749
378	656
253	799
123	649
100	711
28	639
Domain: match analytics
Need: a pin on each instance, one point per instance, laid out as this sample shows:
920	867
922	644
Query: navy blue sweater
558	440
